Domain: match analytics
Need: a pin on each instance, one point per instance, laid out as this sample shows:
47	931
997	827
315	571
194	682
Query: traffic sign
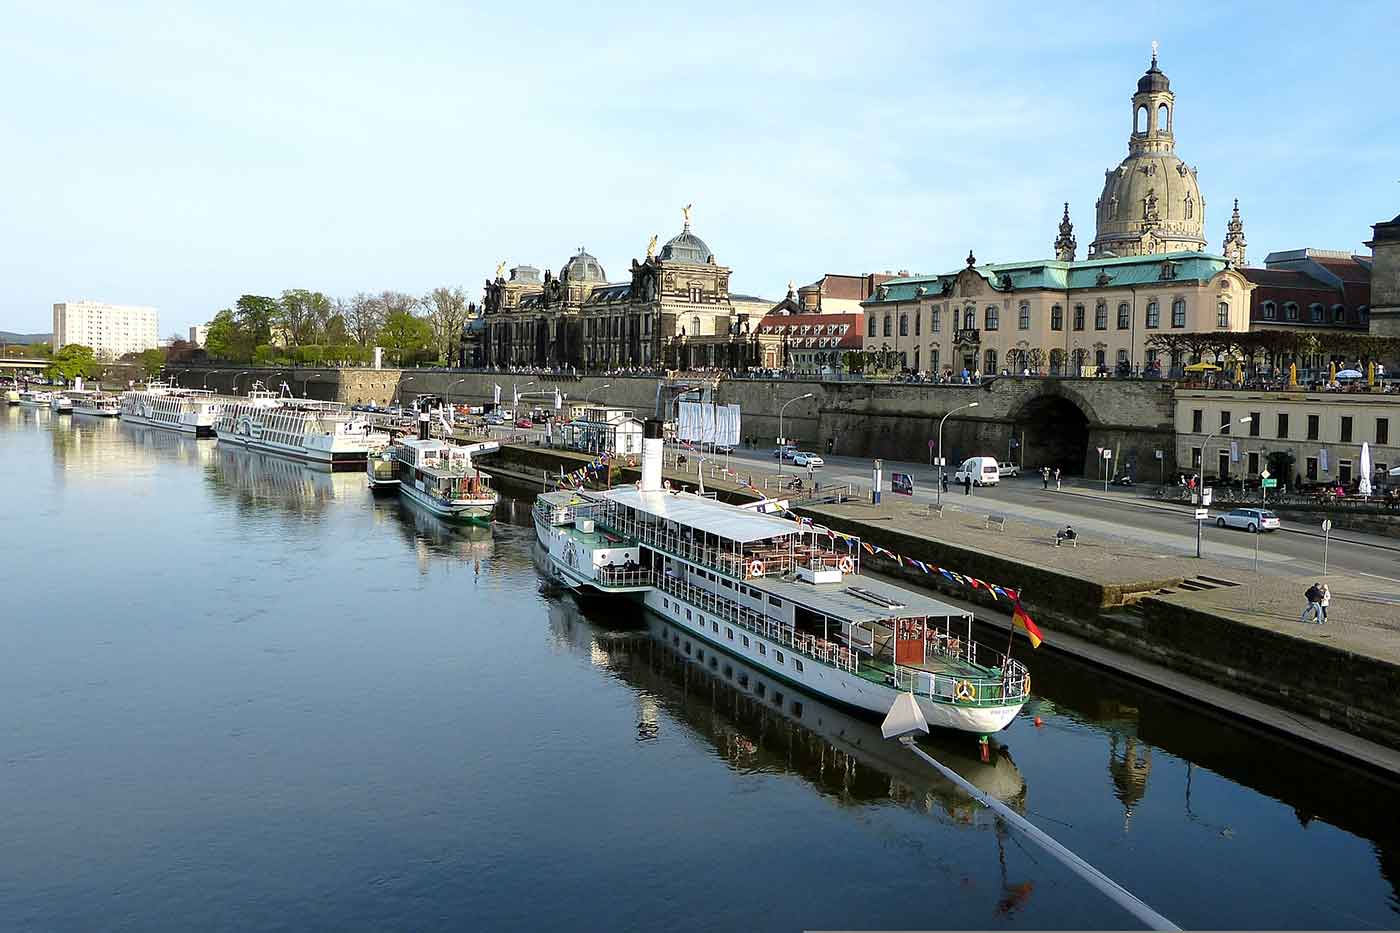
1327	524
1107	453
1263	474
1206	495
1202	514
1270	483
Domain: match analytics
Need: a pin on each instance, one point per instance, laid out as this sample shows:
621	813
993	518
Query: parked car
982	471
786	453
1006	468
802	459
1249	520
524	423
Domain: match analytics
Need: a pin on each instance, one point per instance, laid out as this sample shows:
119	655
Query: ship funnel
424	422
651	455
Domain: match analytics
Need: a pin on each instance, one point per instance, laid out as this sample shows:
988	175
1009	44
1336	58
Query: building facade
1311	289
793	338
1385	278
110	330
199	333
839	294
1320	434
675	311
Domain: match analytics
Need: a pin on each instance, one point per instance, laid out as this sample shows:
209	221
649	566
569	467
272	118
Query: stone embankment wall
895	421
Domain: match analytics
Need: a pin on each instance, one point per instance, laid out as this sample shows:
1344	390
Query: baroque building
674	310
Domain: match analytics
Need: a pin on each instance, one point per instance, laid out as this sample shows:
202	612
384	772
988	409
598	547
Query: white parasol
1363	485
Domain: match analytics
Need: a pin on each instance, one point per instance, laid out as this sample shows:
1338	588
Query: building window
1100	359
1101	316
1311	469
1178	313
1195	458
1283	427
1057	318
871	330
1253	463
888	323
1078	317
970	319
991	363
1225	420
1290	310
1346	429
1023	317
916	359
1339	314
934	325
933	360
1222	314
1154	315
904	325
1270	311
1382	430
1344	471
1196	421
1254	418
1315	313
918	322
993	317
1312	427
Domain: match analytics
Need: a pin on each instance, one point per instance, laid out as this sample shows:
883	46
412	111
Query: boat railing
726	610
1012	685
620	576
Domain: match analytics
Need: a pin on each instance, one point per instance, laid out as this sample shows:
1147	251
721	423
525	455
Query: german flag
1022	620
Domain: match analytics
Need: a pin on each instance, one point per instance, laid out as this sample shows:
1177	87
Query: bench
934	511
996	521
1072	542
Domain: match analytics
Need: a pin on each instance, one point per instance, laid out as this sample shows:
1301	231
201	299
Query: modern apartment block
111	330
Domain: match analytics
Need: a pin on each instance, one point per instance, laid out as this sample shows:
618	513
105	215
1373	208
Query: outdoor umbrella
1349	374
1363	486
1201	368
1331	373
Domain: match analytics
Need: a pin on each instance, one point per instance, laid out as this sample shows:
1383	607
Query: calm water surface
238	693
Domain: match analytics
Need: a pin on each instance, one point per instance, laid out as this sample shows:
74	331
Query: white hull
475	510
97	412
204	427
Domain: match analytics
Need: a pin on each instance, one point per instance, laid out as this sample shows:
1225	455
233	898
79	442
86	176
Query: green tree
448	311
302	316
152	361
72	361
403	334
335	333
255	315
223	341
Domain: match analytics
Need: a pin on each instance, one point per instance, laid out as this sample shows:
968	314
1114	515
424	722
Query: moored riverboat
327	435
34	398
189	411
60	403
784	596
441	477
95	404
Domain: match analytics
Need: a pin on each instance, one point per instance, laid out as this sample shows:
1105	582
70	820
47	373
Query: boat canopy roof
706	515
858	599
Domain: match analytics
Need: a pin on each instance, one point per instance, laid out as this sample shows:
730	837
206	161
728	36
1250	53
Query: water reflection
254	480
759	724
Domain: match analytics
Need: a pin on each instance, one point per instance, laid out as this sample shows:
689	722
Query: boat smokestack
651	455
424	422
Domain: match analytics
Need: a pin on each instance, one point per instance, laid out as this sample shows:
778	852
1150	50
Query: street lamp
1200	489
589	394
782	440
207	375
398	390
938	493
235	380
515	398
449	388
304	380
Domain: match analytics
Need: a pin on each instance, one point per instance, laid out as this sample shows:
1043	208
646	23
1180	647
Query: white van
982	470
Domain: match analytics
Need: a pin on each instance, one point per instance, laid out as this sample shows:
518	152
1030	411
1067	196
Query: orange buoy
1039	722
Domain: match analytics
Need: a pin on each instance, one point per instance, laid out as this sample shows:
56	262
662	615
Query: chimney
423	424
651	455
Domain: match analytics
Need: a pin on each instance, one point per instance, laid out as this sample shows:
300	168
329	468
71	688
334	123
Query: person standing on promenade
1057	477
1045	477
967	485
1323	603
1314	598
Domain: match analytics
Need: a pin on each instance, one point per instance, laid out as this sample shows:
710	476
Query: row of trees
308	327
1276	348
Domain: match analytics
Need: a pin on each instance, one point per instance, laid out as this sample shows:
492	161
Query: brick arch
1056	423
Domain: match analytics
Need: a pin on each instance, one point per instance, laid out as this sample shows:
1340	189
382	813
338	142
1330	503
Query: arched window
1164	119
1100	358
695	326
1080	356
1222	314
993	317
1125	316
888	322
1023	317
1078	317
1101	316
990	361
916	359
918	324
1057	318
1290	310
1057	361
1315	312
872	330
970	319
904	325
1154	315
1140	120
1270	311
1179	313
1339	314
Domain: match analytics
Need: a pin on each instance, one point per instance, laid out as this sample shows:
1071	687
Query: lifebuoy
756	568
964	690
847	565
666	484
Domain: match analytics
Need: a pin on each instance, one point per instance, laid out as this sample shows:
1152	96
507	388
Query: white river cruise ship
786	597
324	434
190	411
97	404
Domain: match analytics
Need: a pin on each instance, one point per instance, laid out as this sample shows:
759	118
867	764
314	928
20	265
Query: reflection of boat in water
288	482
433	536
758	722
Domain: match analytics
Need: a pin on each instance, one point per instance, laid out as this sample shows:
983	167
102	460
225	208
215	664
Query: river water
240	693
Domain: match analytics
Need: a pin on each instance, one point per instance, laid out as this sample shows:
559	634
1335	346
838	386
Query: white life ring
666	484
847	565
756	568
964	691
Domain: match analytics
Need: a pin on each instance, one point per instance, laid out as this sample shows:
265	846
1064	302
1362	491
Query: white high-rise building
111	330
199	333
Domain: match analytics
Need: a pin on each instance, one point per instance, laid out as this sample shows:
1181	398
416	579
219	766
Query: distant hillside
7	337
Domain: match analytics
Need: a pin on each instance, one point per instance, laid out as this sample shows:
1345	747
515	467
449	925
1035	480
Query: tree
223	341
447	310
72	361
255	315
152	361
364	316
301	316
404	333
335	333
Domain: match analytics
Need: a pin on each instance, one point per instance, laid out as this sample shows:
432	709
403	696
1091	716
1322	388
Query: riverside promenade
1216	634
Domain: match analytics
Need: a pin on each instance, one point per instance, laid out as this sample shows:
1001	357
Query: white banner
1234	451
1322	459
702	423
496	397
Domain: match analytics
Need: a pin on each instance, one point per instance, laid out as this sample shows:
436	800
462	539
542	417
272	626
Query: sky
179	155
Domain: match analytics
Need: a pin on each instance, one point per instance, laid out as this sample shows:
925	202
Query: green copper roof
1063	276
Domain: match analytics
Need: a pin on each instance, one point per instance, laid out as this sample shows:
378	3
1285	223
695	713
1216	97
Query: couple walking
1319	597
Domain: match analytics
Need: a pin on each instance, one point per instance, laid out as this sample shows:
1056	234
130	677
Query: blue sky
182	154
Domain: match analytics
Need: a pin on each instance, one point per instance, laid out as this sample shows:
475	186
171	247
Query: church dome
686	247
583	267
1154	80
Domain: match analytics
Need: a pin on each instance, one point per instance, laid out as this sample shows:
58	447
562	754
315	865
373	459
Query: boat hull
184	426
320	457
464	511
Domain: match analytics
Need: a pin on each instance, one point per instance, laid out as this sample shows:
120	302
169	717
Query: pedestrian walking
967	484
1314	608
1045	477
1323	603
1057	477
945	482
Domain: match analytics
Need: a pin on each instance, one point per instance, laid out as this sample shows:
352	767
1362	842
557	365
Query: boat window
774	601
727	585
745	639
666	603
687	615
715	626
729	633
780	656
762	648
797	664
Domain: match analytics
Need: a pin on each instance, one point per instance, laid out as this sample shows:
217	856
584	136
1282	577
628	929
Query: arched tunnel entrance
1056	433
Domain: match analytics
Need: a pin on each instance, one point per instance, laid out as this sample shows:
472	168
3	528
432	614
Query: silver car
1249	520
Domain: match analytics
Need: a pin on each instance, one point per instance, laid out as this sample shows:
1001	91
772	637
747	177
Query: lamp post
515	397
304	380
235	380
938	493
449	389
589	394
207	375
398	390
1200	490
782	440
